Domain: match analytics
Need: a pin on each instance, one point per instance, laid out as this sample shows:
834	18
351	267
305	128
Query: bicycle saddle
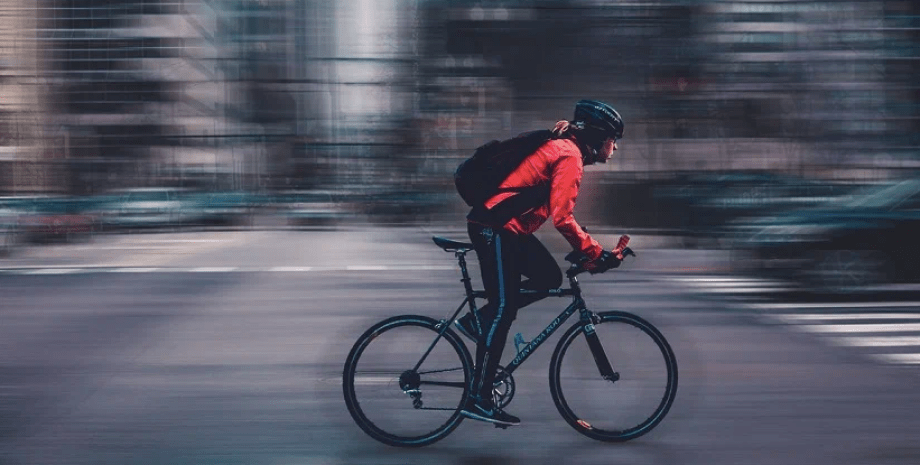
450	246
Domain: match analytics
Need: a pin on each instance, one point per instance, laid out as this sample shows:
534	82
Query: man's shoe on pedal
467	326
489	413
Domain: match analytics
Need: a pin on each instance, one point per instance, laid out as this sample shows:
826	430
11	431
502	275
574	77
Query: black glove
606	261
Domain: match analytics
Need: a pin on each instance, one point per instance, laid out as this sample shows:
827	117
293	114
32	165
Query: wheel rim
629	407
391	400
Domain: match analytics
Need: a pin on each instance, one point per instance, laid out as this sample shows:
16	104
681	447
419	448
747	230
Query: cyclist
509	250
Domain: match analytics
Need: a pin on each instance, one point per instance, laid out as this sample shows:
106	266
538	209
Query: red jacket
559	163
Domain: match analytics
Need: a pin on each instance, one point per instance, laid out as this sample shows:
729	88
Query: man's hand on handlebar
606	261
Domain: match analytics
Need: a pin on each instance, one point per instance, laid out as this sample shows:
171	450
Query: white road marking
288	269
869	341
728	281
876	328
46	271
729	285
906	359
779	306
190	241
216	269
794	318
747	289
366	268
836	332
132	270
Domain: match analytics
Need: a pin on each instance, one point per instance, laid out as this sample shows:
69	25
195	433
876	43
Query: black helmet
598	116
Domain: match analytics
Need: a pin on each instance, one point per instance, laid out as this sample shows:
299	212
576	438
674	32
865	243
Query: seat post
467	282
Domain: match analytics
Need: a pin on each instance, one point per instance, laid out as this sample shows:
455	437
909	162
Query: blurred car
703	205
53	219
309	207
863	238
9	225
148	208
226	208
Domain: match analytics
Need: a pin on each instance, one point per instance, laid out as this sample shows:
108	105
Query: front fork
597	350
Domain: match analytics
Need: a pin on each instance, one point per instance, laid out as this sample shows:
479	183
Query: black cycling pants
505	257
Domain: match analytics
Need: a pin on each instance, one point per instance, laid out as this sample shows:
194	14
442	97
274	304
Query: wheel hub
410	380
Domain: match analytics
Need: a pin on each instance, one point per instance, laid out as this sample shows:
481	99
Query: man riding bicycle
508	250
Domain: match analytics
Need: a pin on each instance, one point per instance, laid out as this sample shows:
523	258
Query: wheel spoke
440	371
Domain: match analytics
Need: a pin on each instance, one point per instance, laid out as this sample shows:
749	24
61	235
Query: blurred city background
203	204
116	115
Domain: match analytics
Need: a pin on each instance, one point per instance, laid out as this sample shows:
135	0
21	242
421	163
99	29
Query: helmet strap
588	153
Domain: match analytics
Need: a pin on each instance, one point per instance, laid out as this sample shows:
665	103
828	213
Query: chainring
503	388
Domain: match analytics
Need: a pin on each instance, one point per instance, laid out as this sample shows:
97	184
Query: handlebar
579	260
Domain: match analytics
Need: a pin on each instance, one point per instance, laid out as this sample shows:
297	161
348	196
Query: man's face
606	151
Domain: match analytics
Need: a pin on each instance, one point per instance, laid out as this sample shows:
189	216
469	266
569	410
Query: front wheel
403	385
626	405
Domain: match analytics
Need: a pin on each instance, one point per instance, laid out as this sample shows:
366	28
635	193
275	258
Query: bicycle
397	360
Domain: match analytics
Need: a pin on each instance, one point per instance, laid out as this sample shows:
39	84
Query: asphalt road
228	349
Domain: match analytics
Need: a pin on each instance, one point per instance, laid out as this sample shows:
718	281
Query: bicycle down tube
597	350
537	341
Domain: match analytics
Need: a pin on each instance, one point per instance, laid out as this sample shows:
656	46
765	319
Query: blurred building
129	93
385	97
102	119
23	105
367	75
795	86
809	85
264	43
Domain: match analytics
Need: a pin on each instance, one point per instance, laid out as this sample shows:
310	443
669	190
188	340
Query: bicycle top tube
560	292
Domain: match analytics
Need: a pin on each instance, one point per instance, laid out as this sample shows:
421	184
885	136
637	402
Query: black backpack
478	177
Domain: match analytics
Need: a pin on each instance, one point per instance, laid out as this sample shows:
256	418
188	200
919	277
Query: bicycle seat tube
467	282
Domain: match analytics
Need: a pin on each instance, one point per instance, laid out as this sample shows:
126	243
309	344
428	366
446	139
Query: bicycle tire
449	346
563	378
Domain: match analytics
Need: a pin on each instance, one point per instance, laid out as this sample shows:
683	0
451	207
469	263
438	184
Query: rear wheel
627	407
393	400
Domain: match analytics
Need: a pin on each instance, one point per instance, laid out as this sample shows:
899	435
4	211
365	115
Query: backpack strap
526	199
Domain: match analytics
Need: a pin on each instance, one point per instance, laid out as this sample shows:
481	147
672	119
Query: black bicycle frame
578	304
